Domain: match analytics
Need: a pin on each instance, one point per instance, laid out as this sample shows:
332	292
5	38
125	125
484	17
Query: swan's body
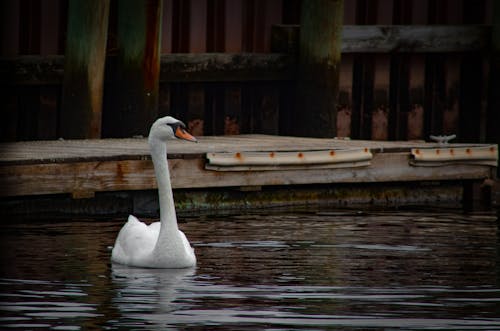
160	244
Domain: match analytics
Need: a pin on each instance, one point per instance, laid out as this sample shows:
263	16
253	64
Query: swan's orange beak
183	134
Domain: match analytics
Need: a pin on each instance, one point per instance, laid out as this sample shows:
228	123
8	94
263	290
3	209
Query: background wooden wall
384	95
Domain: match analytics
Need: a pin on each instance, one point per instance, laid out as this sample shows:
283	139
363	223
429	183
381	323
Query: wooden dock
83	169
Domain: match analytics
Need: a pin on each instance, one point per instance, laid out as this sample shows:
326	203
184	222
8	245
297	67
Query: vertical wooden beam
416	84
216	25
434	94
248	19
195	116
290	11
181	21
493	134
233	27
319	67
29	27
214	109
416	80
232	109
380	107
363	76
198	26
9	36
451	108
81	108
138	70
472	81
344	106
399	91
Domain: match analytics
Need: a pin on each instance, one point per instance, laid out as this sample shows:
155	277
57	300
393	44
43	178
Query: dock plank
83	167
137	148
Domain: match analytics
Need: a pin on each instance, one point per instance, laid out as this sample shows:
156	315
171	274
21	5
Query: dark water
307	271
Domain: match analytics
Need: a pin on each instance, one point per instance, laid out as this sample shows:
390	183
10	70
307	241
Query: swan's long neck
167	208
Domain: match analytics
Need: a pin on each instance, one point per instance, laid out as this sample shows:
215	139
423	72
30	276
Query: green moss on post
138	70
81	108
319	65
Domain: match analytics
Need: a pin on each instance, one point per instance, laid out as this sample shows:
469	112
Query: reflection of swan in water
149	295
157	246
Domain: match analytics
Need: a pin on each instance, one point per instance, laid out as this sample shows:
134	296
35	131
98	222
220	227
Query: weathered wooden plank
85	178
81	109
74	151
208	67
78	179
415	38
405	38
222	67
25	70
386	167
32	70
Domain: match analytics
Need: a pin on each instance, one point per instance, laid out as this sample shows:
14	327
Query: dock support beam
138	69
493	134
319	67
81	109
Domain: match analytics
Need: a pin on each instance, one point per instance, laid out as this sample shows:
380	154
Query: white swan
161	244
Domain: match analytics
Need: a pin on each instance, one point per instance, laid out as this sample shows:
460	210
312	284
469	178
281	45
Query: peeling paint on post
138	71
81	109
319	67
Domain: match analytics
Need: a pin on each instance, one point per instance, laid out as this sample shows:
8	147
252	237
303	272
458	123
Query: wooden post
85	55
319	67
493	134
138	68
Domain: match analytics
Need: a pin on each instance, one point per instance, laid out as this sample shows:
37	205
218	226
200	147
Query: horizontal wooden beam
86	178
216	67
219	67
209	67
415	38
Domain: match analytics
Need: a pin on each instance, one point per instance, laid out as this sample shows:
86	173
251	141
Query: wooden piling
138	68
81	108
493	134
319	67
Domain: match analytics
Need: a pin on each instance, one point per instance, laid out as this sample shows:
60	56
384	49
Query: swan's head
169	128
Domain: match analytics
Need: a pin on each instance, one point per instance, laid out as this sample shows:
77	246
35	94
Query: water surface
276	271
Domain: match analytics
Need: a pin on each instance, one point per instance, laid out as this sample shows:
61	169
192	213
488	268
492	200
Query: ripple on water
349	270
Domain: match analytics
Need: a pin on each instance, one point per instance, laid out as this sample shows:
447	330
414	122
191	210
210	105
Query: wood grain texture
65	151
83	167
81	109
39	70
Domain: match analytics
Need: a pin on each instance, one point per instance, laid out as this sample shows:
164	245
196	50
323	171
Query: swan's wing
135	241
155	226
187	246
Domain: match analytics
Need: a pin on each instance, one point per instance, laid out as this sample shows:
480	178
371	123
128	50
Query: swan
160	244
